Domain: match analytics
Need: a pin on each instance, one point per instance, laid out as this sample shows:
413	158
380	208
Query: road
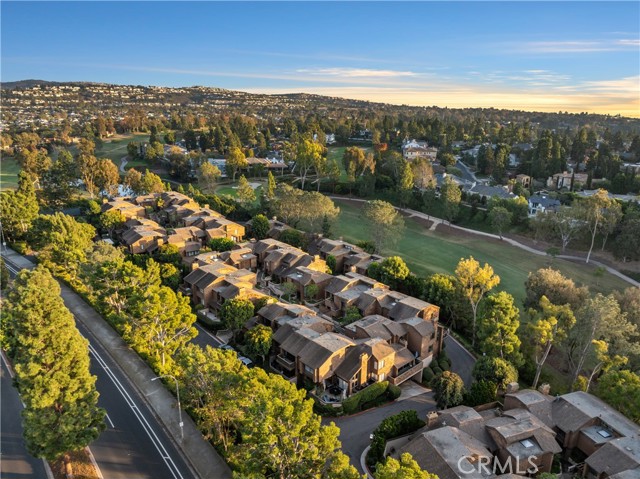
134	445
15	461
355	430
462	361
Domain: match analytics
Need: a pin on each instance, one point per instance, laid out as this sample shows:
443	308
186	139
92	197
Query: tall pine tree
51	360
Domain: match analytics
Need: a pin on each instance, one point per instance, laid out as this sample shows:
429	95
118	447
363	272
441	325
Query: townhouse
524	436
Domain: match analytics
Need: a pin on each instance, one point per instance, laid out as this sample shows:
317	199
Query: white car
246	361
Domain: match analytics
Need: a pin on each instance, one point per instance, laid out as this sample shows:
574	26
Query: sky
543	56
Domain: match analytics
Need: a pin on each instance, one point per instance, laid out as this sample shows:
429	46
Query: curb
363	462
95	464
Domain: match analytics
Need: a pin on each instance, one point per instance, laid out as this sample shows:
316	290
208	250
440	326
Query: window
431	348
308	370
375	365
604	433
381	364
382	377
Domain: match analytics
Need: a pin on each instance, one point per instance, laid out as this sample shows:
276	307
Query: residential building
542	203
570	181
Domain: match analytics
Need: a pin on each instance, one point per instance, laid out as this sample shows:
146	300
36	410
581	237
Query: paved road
355	430
133	446
15	461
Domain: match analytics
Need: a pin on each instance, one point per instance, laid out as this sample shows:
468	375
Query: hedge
357	400
427	375
398	425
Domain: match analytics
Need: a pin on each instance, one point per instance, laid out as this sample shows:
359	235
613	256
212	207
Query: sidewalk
204	459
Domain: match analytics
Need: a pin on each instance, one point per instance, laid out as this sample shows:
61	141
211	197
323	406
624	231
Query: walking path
202	456
123	163
438	221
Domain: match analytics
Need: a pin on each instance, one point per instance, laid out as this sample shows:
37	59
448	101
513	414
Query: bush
20	247
427	376
481	392
393	392
400	424
436	370
359	399
444	364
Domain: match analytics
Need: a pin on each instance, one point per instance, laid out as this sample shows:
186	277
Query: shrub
393	392
398	425
427	376
221	244
444	364
359	399
481	392
496	370
436	370
449	389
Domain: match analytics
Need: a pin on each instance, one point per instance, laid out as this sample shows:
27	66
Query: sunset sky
546	56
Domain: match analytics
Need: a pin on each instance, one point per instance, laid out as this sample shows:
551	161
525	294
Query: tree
18	209
88	165
208	175
108	177
499	323
51	361
621	389
332	263
221	244
308	154
360	160
260	226
450	195
235	162
393	270
405	468
151	183
475	282
448	388
246	194
557	288
133	150
62	241
384	224
133	180
423	176
565	224
258	340
500	219
611	217
212	385
4	275
547	327
626	246
159	322
592	210
600	319
351	315
58	181
481	392
112	219
270	191
235	312
280	417
496	370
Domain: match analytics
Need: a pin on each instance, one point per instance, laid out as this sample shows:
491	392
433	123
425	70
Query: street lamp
178	395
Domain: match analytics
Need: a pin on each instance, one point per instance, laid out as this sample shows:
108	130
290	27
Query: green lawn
9	170
336	153
427	252
116	147
232	189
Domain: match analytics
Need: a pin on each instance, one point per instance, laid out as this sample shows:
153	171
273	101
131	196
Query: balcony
405	373
287	363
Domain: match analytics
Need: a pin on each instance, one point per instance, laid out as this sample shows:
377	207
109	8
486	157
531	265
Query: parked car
246	361
227	347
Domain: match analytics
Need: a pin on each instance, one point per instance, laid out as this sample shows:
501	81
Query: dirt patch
82	467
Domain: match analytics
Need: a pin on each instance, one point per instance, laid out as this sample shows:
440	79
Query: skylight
527	443
604	433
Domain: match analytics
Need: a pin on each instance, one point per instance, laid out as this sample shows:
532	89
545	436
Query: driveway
462	361
355	430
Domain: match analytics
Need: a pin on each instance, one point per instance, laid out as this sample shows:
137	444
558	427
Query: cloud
356	72
575	46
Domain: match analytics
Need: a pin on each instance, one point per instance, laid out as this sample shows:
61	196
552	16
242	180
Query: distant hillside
10	85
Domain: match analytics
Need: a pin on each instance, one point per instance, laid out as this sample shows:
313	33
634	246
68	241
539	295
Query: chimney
512	387
432	419
545	389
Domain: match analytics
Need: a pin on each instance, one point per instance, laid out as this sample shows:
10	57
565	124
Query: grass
115	147
232	189
427	252
336	153
9	170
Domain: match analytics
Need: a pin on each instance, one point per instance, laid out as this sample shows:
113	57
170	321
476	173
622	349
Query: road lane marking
110	422
175	472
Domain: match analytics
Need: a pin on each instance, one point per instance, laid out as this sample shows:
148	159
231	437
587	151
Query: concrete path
123	163
512	242
202	456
